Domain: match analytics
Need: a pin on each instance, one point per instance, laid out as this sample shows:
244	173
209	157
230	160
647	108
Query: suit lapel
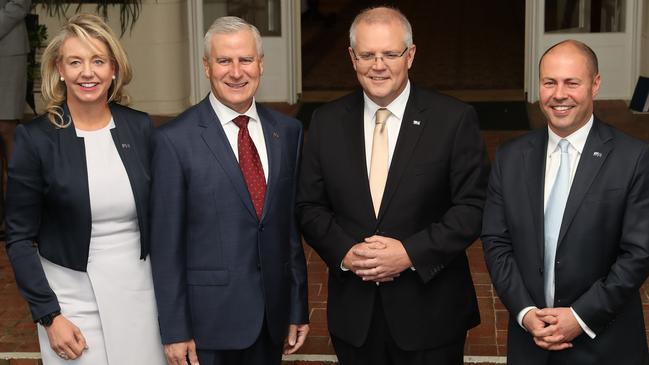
214	136
73	150
534	172
409	135
592	158
272	138
124	144
353	131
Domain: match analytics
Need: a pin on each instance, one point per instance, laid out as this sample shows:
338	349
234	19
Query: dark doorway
461	44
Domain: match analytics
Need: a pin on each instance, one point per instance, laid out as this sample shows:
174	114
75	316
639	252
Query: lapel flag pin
275	135
597	154
416	122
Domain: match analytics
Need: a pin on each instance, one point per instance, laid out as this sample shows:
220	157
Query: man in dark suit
390	195
228	266
566	226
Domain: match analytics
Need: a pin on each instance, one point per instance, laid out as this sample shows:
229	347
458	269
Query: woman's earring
62	79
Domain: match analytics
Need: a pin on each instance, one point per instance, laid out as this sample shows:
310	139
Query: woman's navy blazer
48	203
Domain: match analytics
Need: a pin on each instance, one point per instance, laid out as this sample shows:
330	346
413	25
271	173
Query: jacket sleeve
13	12
434	247
24	205
317	220
498	249
299	313
599	305
168	252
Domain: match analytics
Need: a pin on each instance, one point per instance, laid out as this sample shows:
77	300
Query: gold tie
379	160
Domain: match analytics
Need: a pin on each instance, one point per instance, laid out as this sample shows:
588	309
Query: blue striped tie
553	216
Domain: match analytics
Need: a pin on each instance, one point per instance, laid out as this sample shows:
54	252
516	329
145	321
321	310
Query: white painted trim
293	50
298	48
297	357
20	355
333	358
636	41
195	34
530	48
305	357
485	359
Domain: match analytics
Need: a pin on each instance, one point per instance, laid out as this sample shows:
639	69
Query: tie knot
382	115
563	145
241	121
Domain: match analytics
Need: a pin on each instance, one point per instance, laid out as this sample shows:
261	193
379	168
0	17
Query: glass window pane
264	14
584	16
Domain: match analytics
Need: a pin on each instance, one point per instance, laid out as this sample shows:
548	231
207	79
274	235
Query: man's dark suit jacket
602	255
48	203
433	203
218	270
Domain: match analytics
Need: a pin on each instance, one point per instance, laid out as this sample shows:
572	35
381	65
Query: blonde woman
77	197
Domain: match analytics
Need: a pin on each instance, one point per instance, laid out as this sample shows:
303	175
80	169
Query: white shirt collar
397	107
226	115
577	139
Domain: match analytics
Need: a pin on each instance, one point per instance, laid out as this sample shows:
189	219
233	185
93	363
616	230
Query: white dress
113	303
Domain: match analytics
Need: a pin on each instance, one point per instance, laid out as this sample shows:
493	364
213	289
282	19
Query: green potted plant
37	34
129	10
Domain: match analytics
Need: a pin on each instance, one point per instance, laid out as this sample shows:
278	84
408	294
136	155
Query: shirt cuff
343	268
521	314
583	325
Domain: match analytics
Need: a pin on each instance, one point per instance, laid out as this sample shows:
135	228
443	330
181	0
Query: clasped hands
553	328
378	259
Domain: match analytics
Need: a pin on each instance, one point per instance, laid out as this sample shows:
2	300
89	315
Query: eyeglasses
387	57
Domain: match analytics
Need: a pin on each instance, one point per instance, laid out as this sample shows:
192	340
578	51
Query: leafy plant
129	10
37	34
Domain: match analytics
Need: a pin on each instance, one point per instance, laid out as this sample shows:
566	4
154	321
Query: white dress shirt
577	142
393	124
226	115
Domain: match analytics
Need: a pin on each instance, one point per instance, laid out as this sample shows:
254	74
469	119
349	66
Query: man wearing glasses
391	193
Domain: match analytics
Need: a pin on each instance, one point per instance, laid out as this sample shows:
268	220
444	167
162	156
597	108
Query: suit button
558	300
258	267
261	228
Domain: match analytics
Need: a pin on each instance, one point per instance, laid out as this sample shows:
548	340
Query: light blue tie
553	215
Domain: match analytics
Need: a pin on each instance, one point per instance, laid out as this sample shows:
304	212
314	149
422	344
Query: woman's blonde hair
85	27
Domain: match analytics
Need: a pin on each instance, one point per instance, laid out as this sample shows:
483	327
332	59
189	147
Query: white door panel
280	80
617	53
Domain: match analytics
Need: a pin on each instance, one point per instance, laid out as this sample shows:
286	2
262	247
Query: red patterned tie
250	165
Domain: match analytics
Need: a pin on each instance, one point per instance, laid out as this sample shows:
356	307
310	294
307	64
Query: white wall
157	48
